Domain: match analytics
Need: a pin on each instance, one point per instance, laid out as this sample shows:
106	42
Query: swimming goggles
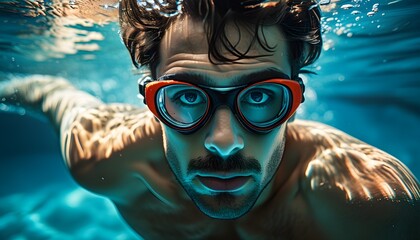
186	107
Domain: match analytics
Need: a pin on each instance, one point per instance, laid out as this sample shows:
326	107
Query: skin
223	136
322	184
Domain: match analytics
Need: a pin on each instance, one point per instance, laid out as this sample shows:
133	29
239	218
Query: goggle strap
302	87
142	86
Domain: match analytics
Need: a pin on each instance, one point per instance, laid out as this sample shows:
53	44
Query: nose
223	138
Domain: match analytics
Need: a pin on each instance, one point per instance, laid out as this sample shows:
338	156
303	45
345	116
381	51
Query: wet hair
143	26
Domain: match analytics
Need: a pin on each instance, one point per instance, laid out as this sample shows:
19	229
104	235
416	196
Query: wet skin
182	53
313	182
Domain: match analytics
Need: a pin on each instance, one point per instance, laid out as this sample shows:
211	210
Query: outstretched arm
52	96
103	144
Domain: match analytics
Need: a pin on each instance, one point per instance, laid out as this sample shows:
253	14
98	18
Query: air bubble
161	6
324	2
3	107
347	6
370	14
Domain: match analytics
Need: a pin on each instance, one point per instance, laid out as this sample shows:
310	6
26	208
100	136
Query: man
219	154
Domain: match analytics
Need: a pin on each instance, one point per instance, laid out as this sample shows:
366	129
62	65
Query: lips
223	184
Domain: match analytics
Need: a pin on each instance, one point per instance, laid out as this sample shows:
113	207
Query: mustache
234	163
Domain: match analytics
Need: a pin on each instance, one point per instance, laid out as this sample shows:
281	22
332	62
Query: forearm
52	96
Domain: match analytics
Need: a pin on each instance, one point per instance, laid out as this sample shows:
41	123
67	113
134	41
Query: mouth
223	184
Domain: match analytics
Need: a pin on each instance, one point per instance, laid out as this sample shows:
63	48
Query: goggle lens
182	105
261	105
265	104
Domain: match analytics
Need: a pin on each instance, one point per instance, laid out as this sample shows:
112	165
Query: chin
224	205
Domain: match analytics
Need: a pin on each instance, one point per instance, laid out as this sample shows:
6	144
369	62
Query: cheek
262	147
184	147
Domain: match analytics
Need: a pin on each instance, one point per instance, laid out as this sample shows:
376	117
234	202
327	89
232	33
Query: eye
190	97
257	97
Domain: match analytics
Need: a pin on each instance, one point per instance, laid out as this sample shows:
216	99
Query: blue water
368	85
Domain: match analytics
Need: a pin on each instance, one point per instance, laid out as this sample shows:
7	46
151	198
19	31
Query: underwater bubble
375	7
329	44
21	111
347	6
163	3
328	116
393	2
320	3
370	14
3	107
161	6
324	2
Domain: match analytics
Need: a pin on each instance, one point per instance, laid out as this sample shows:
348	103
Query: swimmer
218	153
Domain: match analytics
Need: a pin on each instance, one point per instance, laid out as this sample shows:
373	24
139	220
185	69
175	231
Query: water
367	85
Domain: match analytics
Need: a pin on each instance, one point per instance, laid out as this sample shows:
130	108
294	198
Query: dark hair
142	27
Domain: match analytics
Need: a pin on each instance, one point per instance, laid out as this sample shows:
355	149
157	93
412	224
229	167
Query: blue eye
190	97
257	96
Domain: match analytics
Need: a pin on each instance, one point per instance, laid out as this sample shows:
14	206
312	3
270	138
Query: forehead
184	51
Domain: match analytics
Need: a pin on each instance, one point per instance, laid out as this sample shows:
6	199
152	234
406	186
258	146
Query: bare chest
155	220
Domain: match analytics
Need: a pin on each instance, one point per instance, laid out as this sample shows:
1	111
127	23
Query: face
223	167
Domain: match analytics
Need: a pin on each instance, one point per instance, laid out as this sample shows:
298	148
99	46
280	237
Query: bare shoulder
101	131
351	185
108	148
111	149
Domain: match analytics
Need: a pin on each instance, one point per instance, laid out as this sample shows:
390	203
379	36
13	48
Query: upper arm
105	146
361	192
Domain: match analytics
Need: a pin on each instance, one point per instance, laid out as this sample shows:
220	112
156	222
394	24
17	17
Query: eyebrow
199	78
